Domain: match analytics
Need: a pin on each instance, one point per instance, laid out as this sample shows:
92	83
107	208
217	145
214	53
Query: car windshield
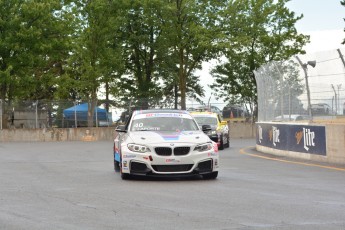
150	122
206	120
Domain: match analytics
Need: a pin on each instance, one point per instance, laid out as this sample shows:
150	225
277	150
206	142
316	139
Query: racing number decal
138	125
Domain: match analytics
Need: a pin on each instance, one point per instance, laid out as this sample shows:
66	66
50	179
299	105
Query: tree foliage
164	43
34	43
139	36
88	64
192	36
139	51
256	32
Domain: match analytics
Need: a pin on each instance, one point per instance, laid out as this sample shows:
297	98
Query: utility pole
341	57
332	104
343	61
304	67
336	101
339	86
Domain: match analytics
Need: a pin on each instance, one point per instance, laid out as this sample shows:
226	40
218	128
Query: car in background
292	117
320	109
211	108
234	111
219	132
164	143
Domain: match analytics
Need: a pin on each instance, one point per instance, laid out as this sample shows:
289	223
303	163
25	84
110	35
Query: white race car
164	143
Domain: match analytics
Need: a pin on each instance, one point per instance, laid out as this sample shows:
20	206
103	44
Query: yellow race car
219	132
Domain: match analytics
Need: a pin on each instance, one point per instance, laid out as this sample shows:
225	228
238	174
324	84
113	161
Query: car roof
291	115
160	111
320	104
211	114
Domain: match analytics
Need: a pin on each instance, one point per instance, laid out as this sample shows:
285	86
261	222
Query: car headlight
138	148
213	132
203	147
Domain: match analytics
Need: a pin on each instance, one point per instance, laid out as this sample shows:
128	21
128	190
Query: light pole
75	114
332	105
208	103
305	69
336	100
36	113
339	86
281	93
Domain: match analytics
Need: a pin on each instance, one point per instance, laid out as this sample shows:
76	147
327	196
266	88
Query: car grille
163	151
167	151
180	151
172	168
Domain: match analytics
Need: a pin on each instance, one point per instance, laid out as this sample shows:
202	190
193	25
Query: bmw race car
219	132
164	143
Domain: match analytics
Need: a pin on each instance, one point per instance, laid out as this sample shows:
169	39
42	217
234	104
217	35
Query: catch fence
66	114
47	114
307	87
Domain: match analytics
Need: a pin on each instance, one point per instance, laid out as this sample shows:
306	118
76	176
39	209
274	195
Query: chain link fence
308	88
47	114
69	114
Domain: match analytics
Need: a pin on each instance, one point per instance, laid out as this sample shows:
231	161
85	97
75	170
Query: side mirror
121	129
206	128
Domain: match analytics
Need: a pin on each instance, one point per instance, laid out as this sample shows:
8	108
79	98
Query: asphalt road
72	185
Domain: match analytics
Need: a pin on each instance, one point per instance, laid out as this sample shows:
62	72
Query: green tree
89	63
151	72
256	32
140	39
192	31
34	43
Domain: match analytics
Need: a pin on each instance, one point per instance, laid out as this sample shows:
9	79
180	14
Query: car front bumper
194	163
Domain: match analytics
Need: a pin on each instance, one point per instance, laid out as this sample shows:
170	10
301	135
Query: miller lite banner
296	138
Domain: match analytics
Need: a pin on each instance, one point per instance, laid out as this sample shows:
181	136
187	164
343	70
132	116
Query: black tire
116	166
227	145
210	176
221	146
125	176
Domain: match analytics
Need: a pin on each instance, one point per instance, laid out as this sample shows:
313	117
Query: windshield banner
174	115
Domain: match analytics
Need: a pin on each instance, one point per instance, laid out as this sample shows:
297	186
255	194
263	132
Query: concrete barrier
58	134
237	130
242	130
333	140
315	142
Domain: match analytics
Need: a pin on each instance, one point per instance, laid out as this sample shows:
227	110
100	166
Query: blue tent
81	112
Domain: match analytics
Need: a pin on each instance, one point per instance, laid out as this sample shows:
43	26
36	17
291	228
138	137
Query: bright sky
323	21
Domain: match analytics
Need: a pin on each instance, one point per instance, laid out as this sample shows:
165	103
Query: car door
122	133
224	128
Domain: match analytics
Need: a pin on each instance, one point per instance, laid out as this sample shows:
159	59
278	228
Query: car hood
152	137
